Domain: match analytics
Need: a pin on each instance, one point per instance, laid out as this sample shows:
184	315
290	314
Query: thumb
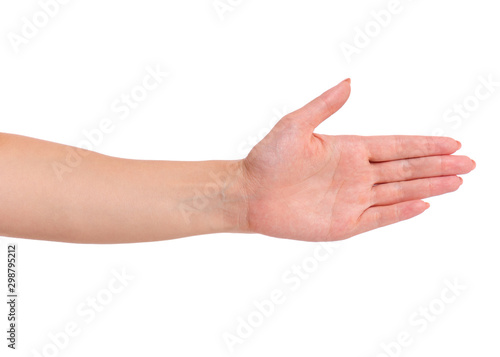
321	108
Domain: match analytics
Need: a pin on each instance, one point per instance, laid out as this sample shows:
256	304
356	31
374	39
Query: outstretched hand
307	186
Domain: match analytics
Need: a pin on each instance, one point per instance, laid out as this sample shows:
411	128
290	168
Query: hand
307	186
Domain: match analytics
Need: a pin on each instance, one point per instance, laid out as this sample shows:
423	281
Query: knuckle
428	187
442	164
399	191
325	105
292	123
406	169
398	145
429	145
397	213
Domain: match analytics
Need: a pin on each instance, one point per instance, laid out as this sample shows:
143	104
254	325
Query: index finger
398	147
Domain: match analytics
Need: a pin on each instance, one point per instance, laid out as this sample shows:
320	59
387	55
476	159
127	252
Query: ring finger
395	192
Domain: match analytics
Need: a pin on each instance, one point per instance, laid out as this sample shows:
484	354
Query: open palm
308	186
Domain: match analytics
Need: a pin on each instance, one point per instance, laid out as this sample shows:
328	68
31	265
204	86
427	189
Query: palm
314	187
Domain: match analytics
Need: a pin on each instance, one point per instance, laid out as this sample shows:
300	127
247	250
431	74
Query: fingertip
412	208
447	145
469	165
454	145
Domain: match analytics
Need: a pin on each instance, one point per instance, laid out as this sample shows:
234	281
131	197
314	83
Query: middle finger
430	166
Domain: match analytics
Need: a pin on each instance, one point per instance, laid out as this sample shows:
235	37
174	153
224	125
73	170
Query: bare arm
294	184
105	199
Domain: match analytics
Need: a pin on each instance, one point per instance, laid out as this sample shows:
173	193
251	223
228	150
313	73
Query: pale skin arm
294	184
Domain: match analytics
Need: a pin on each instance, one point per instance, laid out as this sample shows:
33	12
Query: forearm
103	199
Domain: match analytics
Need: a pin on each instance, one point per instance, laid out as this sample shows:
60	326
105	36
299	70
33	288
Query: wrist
230	177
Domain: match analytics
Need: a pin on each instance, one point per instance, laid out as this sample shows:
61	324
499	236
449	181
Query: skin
315	187
294	184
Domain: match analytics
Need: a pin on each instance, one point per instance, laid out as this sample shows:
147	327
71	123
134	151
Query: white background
229	79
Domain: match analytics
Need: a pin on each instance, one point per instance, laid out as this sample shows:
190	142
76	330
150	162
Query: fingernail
348	80
461	180
459	144
427	205
474	163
